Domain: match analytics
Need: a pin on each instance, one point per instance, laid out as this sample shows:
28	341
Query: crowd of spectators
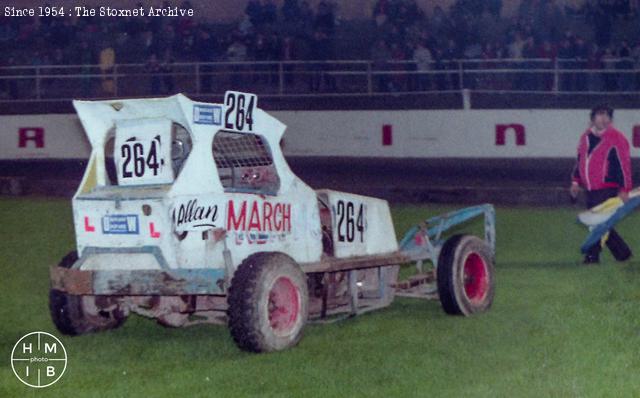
539	34
293	31
266	32
401	36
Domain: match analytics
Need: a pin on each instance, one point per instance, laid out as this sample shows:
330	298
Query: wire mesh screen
240	150
244	163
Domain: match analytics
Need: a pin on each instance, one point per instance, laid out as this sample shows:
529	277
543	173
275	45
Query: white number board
238	113
142	152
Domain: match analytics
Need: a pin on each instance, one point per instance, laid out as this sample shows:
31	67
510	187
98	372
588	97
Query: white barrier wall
42	137
391	134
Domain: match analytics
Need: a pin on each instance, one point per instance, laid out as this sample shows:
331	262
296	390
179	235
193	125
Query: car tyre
268	303
465	275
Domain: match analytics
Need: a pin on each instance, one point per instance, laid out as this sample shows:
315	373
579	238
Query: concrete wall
435	134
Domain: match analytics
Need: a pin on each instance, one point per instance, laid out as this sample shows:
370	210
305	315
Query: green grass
556	328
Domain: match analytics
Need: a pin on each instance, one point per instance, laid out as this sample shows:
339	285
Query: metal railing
318	78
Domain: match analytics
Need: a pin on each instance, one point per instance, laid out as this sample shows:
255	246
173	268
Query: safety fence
319	78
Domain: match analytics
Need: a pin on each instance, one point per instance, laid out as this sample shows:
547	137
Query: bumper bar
138	282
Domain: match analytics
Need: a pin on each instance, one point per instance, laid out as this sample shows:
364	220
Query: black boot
593	254
591	259
618	246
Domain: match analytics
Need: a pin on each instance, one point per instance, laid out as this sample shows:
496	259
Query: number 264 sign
238	114
142	154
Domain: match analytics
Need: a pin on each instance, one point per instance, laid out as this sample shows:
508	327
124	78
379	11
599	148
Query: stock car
188	213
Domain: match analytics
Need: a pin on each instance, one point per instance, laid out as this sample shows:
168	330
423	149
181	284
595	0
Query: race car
188	213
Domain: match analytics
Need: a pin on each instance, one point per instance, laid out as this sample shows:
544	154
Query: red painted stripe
636	136
387	135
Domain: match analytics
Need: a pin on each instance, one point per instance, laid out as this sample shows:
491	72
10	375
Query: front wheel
465	273
268	303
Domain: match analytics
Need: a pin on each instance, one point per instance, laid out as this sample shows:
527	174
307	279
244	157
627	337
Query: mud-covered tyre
465	274
74	315
268	303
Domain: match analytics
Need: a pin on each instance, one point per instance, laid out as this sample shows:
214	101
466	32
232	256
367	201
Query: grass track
556	328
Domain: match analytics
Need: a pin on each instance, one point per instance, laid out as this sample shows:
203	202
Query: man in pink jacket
603	169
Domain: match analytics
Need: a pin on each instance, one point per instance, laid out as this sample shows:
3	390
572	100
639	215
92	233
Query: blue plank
599	230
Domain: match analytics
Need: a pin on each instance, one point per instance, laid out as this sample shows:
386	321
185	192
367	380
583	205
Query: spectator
530	80
237	52
85	58
9	86
490	53
494	7
600	19
148	44
398	54
325	20
306	18
206	48
381	12
516	46
566	55
625	80
154	69
581	52
450	56
254	12
320	52
594	62
290	12
288	52
547	51
609	62
166	66
635	56
423	59
440	22
107	62
381	55
269	12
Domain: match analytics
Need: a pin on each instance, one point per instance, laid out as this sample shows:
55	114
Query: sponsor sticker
123	224
207	114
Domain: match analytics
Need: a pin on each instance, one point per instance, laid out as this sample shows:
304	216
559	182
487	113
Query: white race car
189	213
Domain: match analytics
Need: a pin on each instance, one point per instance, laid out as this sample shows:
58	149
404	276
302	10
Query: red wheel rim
476	278
284	305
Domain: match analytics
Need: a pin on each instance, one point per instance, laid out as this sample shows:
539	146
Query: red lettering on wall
501	133
635	138
387	135
33	134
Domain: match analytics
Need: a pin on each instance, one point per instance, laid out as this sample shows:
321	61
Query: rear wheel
466	282
268	303
75	315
